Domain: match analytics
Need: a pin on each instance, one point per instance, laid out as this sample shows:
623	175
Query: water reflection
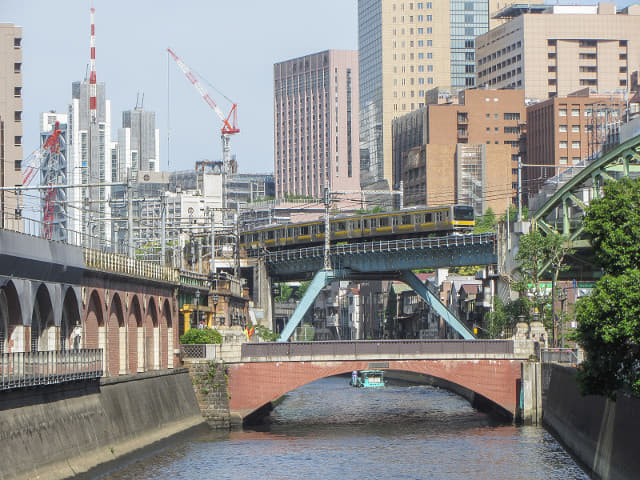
328	430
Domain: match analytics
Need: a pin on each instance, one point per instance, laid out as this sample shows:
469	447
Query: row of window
419	6
500	66
419	18
565	143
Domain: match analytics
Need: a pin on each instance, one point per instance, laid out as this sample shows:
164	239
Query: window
575	112
17	165
17	116
575	128
17	92
17	43
17	67
564	160
429	18
575	144
562	112
562	128
563	144
17	140
421	43
575	160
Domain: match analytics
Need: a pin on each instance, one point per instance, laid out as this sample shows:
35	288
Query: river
328	430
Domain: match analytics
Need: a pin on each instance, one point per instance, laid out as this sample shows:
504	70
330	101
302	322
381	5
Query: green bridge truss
563	209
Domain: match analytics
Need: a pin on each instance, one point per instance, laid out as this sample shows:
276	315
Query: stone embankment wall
61	431
210	385
601	433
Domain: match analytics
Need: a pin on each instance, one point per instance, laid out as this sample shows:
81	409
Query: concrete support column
531	393
102	343
16	343
156	348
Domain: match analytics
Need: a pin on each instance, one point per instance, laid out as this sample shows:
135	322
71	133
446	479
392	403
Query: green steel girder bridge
560	209
387	259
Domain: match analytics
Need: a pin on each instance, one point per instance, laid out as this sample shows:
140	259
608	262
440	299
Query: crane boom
227	128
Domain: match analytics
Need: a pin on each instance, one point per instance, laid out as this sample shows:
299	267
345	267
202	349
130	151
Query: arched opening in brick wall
69	321
135	337
94	323
152	337
166	336
43	328
13	336
117	338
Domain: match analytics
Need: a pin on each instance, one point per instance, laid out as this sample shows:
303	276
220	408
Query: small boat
368	379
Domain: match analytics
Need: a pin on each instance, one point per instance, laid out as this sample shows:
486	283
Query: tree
609	319
301	290
538	252
486	222
613	222
285	293
609	331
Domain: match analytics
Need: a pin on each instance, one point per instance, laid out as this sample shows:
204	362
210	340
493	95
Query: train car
414	221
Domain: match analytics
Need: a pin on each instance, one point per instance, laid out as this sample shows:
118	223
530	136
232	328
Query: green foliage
469	270
609	319
536	253
609	331
200	335
500	322
301	290
613	222
486	222
285	292
266	334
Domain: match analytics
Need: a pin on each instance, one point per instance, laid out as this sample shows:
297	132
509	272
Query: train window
367	223
355	224
321	228
341	226
406	220
463	212
383	222
428	217
304	230
270	234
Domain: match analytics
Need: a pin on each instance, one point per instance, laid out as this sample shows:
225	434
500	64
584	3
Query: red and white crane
229	122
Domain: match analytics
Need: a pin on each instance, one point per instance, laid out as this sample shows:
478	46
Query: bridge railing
266	350
30	369
116	263
377	246
560	355
199	352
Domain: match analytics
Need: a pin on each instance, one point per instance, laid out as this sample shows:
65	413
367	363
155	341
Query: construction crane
229	122
49	160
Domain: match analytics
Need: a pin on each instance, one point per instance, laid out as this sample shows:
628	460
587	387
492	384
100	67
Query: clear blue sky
233	44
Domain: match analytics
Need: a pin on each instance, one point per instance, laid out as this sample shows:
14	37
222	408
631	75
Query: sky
233	45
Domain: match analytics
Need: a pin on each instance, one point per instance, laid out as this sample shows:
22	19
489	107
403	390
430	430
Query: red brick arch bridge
494	370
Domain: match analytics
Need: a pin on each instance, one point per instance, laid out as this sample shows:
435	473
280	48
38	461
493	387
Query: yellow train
414	221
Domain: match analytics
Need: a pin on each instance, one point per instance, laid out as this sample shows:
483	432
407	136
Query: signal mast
229	122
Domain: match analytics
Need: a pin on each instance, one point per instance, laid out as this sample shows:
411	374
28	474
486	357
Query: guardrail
361	248
30	369
116	263
559	355
206	352
376	347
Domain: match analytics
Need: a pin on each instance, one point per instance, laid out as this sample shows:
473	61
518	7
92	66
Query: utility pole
519	188
327	228
130	251
212	267
163	228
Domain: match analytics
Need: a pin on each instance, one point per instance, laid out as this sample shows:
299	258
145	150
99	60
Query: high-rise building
10	122
89	149
553	50
316	140
407	48
563	131
464	152
138	143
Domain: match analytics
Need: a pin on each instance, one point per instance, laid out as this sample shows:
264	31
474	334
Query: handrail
29	369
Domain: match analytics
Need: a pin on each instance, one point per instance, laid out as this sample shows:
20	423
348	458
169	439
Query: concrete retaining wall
60	431
601	433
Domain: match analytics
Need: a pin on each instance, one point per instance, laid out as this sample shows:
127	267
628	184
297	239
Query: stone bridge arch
252	385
